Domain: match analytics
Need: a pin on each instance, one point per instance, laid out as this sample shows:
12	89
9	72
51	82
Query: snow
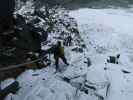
27	8
106	32
109	30
114	24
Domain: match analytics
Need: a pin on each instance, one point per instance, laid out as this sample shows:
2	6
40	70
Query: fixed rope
21	65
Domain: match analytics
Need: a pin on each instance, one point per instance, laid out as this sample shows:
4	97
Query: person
59	53
68	41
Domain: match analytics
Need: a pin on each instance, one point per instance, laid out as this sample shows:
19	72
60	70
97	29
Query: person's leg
70	43
67	43
64	60
56	63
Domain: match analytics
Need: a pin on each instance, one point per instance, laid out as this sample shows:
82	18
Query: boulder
13	87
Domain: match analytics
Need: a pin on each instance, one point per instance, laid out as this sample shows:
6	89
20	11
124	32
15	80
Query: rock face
6	24
16	39
6	11
30	26
6	7
12	88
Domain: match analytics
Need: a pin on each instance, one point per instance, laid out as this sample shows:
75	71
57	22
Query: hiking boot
57	71
67	64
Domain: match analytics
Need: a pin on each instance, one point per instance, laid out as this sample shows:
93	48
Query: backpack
57	51
61	51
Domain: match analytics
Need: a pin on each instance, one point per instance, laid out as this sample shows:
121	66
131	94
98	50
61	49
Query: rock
78	49
113	59
83	45
88	62
126	72
12	88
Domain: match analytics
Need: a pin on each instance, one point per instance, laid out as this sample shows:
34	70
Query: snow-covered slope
108	32
109	28
105	32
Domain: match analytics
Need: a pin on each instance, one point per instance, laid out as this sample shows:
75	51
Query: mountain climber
68	41
58	51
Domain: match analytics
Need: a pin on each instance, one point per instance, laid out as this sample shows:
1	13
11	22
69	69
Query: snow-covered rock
6	83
